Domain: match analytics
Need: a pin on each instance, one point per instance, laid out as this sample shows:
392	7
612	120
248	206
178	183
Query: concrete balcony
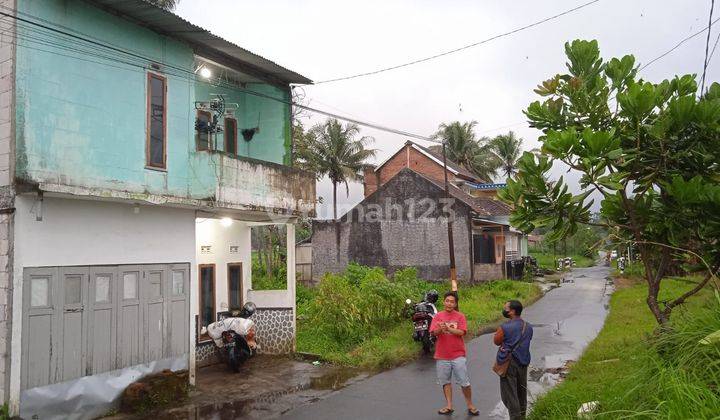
255	185
207	181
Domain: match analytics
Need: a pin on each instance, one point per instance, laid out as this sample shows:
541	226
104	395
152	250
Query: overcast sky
491	83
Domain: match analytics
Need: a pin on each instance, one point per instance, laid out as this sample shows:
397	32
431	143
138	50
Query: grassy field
549	261
393	345
635	372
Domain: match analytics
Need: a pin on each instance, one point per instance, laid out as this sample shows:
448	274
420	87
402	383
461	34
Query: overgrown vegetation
359	318
634	372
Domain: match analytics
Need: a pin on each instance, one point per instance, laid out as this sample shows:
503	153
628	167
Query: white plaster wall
211	232
84	232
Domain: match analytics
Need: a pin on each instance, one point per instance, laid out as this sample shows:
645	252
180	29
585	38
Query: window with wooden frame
231	136
235	286
156	141
203	139
207	294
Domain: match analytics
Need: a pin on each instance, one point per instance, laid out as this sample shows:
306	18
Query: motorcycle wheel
427	345
233	361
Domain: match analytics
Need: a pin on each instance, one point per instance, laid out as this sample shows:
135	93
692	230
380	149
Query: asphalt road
566	319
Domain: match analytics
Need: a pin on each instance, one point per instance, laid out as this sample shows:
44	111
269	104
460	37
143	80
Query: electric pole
451	246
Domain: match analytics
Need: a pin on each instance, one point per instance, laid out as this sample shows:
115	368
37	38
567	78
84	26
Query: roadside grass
635	371
549	261
390	342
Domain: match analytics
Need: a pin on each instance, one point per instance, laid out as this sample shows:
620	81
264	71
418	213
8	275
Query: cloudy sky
491	83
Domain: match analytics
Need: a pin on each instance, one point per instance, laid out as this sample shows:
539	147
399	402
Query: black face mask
505	313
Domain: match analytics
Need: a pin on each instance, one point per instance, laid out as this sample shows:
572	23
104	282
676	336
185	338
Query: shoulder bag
501	368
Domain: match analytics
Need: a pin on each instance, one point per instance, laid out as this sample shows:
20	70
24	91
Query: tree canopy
464	148
332	149
652	150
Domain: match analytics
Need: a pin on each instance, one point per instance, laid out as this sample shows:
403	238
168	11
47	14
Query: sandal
446	411
474	412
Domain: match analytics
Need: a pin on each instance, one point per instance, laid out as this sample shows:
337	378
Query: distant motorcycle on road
423	313
235	335
621	264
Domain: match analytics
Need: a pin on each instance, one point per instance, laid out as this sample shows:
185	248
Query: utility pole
453	271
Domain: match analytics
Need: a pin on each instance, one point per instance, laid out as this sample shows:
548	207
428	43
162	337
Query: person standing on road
450	326
514	338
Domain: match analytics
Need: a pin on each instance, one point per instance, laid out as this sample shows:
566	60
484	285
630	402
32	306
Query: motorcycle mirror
408	301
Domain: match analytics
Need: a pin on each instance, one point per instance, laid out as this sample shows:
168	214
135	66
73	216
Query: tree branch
680	300
710	270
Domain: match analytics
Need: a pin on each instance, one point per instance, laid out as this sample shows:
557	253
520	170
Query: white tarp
240	325
90	396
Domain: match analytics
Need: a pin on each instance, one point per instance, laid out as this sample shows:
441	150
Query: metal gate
80	321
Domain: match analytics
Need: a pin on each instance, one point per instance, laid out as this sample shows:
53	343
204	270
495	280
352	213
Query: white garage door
80	321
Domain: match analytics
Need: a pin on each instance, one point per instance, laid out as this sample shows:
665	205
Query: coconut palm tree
508	148
165	4
475	155
334	151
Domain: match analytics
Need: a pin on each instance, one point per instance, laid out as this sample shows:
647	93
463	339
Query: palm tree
334	151
165	4
508	148
475	155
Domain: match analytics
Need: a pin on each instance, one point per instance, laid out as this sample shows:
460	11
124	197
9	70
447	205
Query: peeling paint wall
81	119
7	195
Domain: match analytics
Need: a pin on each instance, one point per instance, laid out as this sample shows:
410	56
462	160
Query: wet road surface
566	319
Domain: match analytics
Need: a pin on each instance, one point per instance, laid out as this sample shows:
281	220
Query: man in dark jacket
514	337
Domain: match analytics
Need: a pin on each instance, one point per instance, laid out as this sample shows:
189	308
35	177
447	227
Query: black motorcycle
422	315
238	347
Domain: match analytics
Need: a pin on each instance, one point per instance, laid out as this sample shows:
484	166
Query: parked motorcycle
423	313
621	265
235	335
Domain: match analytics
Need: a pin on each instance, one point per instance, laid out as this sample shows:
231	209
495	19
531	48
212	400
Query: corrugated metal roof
165	22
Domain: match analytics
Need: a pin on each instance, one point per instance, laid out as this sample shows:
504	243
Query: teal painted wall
271	143
81	119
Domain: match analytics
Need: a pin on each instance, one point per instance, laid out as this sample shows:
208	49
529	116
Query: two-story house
402	221
137	150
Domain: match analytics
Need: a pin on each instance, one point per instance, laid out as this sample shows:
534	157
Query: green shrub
355	305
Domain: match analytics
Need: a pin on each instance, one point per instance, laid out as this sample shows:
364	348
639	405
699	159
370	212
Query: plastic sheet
88	397
241	326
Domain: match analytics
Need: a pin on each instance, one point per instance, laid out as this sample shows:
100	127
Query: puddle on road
271	404
334	380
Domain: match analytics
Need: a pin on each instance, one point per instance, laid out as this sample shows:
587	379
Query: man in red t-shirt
449	326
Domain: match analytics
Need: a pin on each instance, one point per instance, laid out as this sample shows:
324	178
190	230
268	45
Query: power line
98	47
684	40
713	50
432	57
41	41
707	47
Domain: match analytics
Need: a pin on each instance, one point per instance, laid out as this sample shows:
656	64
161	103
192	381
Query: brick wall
7	192
486	272
407	157
370	180
401	225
